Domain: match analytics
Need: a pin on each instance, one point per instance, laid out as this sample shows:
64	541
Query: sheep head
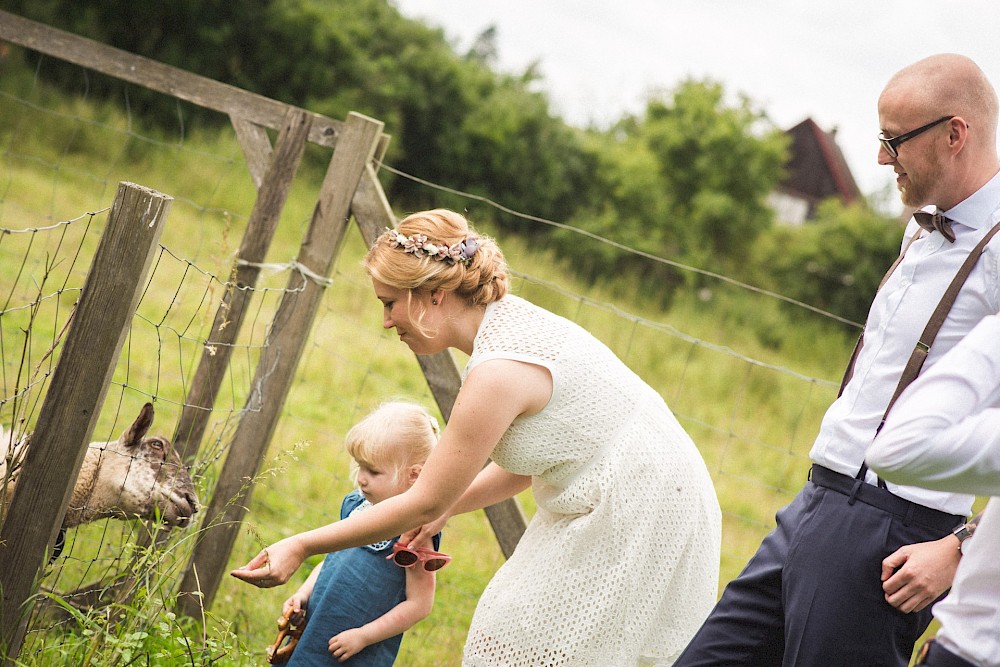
134	476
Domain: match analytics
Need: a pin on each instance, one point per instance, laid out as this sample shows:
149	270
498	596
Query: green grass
736	368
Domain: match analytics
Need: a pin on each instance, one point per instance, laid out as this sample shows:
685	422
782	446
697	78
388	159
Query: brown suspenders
849	371
926	339
923	346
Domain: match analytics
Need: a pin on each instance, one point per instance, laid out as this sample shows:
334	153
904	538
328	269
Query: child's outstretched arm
416	607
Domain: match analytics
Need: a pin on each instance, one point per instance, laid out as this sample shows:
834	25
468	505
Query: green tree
454	120
686	181
717	163
523	156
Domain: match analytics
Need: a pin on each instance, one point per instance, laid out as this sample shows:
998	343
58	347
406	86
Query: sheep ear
137	431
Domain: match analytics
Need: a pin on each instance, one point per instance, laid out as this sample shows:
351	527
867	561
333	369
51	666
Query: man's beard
917	191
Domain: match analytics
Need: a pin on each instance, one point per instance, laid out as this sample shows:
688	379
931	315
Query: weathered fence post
272	173
276	368
271	198
72	404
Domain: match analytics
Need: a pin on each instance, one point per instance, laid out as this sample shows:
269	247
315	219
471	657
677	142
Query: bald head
948	83
943	162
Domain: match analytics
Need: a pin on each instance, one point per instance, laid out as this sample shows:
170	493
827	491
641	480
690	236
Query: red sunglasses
410	556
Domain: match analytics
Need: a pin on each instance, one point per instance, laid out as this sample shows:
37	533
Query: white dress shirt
898	315
944	433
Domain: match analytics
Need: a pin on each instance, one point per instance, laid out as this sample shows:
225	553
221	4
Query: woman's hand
274	565
423	536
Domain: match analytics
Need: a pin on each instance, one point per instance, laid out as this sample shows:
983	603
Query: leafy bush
834	263
687	182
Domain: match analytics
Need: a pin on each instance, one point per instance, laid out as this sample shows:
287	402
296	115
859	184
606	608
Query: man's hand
917	574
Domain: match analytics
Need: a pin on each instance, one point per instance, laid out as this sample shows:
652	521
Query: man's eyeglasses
891	144
410	556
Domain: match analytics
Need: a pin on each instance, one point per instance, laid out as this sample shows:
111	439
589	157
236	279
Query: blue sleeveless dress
354	587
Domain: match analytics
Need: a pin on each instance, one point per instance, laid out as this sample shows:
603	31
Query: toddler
358	602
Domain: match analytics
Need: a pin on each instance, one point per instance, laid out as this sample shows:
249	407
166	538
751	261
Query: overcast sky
795	59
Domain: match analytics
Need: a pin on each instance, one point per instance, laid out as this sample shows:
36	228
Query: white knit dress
619	566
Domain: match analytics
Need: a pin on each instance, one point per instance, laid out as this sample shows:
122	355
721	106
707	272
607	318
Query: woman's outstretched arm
494	394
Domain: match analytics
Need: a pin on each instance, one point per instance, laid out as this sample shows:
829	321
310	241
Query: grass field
747	379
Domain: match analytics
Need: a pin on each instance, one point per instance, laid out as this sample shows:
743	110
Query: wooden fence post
272	173
276	368
69	412
215	358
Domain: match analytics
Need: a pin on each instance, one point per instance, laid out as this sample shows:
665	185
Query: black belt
869	494
935	655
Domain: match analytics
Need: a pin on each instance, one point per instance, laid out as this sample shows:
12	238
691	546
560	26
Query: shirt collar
981	208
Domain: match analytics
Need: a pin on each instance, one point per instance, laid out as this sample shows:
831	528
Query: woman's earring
434	302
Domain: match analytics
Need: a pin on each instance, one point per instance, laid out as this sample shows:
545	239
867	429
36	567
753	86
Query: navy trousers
812	595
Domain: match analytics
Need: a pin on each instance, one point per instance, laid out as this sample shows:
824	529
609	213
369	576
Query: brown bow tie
935	222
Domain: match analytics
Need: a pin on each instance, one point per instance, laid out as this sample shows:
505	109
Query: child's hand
295	608
347	644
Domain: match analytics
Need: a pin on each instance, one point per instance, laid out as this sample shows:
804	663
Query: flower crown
460	253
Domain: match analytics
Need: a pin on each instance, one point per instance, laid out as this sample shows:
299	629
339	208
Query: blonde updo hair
481	281
393	437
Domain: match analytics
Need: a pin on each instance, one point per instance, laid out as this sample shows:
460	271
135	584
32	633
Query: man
848	574
944	433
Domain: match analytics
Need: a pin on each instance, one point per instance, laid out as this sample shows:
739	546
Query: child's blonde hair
394	436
